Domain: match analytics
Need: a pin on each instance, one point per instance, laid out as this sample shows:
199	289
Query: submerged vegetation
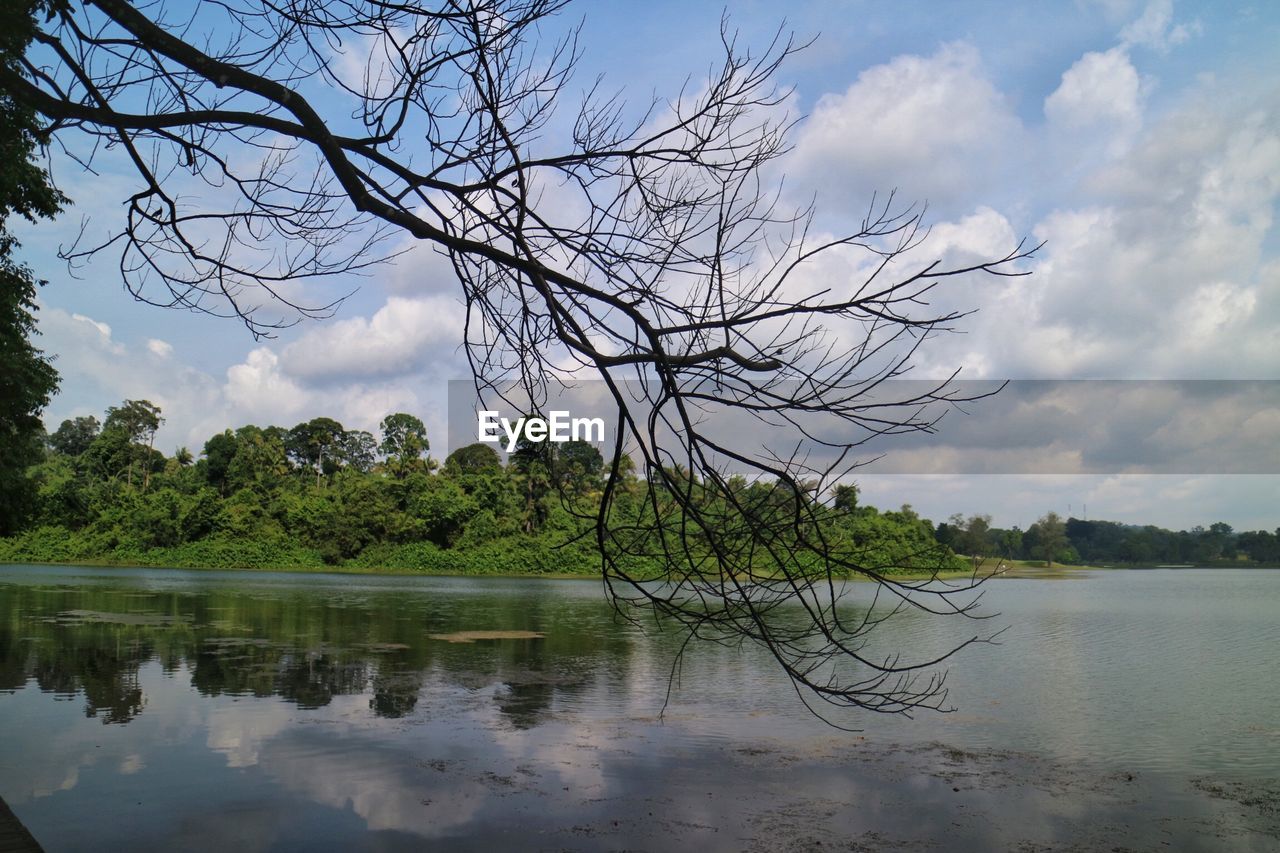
319	495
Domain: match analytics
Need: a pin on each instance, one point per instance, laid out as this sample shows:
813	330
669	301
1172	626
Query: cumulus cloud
933	126
256	386
104	371
1099	98
356	370
1162	267
1159	263
404	336
984	234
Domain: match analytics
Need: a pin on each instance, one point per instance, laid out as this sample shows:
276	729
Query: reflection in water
261	712
90	641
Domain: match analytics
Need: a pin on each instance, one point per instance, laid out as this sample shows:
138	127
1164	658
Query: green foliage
1047	539
27	378
404	443
576	466
317	445
477	458
304	498
25	188
74	435
246	505
892	542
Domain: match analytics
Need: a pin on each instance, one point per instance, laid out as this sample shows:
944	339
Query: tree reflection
395	694
306	647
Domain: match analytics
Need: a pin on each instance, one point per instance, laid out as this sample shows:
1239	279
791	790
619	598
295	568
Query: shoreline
1011	569
1016	570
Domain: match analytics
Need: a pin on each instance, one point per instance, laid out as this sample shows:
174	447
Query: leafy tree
1009	541
28	378
218	453
477	458
110	454
577	466
61	493
530	466
259	462
977	540
444	508
949	532
359	450
404	443
317	444
244	515
845	497
137	421
1261	546
74	435
1050	537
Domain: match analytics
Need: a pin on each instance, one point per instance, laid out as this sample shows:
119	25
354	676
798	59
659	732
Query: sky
1138	139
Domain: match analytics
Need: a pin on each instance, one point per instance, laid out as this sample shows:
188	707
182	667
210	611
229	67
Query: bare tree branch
654	245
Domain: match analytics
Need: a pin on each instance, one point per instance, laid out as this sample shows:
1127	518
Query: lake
167	709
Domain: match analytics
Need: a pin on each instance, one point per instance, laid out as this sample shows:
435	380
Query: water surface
201	710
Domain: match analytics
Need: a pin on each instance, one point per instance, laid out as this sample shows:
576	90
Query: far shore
1016	569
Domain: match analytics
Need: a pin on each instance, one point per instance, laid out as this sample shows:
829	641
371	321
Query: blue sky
1140	138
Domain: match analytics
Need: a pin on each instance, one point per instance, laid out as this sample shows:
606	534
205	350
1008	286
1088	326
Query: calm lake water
147	709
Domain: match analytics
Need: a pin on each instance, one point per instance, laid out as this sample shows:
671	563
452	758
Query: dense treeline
1075	541
318	494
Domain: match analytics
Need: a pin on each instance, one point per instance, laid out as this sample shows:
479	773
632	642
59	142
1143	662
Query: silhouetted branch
278	141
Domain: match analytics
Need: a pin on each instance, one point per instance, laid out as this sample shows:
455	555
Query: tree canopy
247	500
28	377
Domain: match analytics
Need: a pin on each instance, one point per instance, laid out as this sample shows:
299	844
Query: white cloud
159	348
104	331
1100	95
935	127
1160	269
257	388
356	370
1156	29
1213	309
982	235
405	336
104	371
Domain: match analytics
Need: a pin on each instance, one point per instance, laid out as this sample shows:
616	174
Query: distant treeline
318	494
1076	541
